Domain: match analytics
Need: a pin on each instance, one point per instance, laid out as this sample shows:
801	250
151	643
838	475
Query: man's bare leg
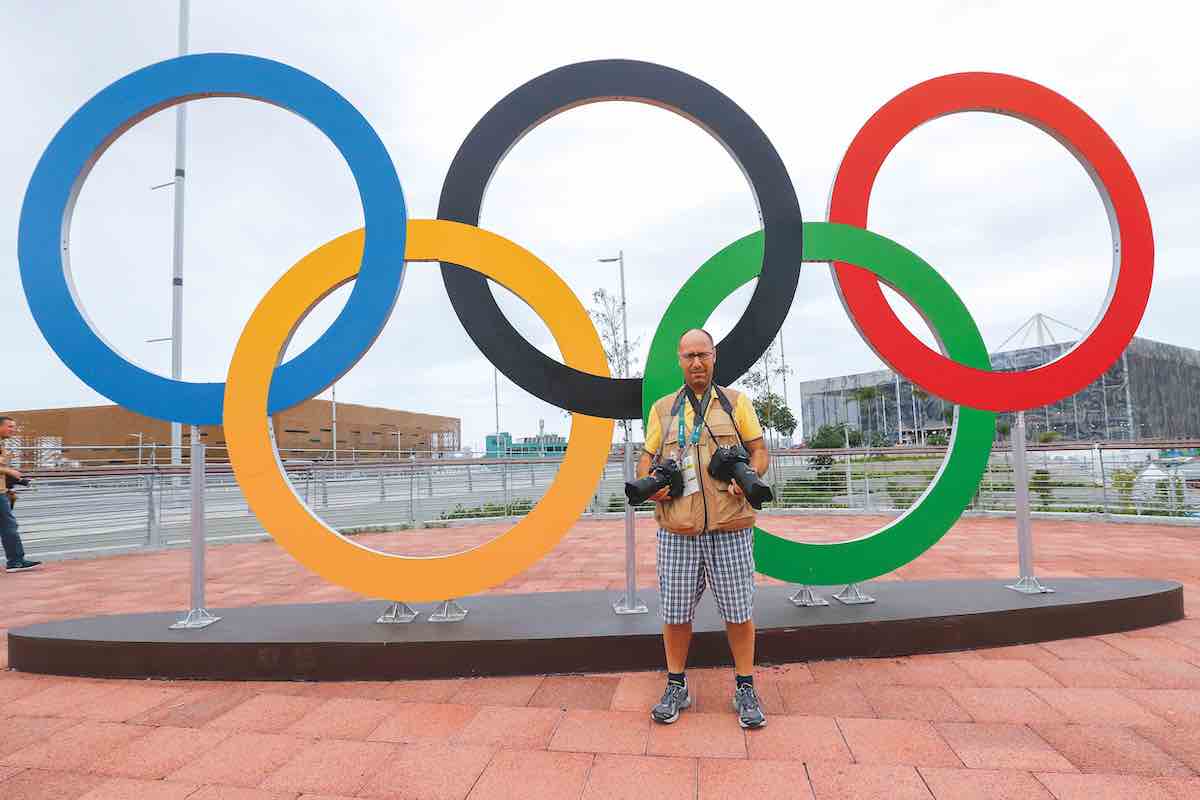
741	644
676	639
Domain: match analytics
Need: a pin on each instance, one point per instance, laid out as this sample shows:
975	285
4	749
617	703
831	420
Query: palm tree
920	397
864	396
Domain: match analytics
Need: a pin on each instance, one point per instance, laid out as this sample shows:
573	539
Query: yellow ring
322	549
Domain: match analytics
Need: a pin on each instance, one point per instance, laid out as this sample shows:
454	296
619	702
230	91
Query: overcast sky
1002	210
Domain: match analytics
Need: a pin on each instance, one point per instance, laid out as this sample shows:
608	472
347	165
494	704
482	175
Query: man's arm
746	421
760	457
643	465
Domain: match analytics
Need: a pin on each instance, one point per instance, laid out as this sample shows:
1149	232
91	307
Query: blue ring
50	199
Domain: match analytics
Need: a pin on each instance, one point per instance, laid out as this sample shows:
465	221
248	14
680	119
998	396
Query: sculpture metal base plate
557	632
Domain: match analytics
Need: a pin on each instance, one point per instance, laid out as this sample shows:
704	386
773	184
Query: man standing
14	551
706	535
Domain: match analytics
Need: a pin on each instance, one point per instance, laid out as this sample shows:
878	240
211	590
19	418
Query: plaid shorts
686	563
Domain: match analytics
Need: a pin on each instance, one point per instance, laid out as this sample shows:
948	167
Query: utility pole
783	365
333	422
496	390
899	414
177	250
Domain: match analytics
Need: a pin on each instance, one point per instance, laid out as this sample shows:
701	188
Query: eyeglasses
705	355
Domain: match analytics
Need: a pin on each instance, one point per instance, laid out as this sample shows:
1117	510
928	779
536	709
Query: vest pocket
726	511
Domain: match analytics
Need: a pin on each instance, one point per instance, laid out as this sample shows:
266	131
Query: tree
920	397
831	437
606	313
767	404
774	414
865	396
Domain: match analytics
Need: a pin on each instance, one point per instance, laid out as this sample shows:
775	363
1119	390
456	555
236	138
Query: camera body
733	464
665	473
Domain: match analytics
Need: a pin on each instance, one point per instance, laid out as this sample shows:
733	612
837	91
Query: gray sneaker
674	699
748	707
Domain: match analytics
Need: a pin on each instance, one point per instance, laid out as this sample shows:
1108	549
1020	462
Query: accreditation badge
691	482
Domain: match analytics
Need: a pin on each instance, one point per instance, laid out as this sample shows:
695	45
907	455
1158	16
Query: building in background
1151	392
87	435
501	445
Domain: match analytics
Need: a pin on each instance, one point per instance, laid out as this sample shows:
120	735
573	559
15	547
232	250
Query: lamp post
177	246
629	603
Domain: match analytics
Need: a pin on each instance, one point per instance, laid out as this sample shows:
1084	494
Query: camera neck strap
726	406
700	407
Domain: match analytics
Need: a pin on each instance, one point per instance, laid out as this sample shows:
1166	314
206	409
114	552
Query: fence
90	510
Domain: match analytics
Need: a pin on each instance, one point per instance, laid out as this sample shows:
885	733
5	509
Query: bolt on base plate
853	596
449	611
196	618
1028	584
805	597
623	606
397	613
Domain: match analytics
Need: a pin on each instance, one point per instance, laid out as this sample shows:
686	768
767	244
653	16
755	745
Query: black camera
733	464
665	473
10	481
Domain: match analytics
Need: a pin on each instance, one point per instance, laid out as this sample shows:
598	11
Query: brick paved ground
1103	717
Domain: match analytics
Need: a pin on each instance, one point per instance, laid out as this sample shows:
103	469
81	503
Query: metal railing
92	510
1121	478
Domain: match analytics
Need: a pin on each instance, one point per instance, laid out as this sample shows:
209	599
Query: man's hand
735	489
662	495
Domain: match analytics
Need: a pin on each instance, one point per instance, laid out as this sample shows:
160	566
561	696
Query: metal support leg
1027	583
449	611
852	595
397	613
198	616
153	529
805	597
629	603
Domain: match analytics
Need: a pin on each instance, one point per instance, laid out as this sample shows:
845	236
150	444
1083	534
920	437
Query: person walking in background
14	550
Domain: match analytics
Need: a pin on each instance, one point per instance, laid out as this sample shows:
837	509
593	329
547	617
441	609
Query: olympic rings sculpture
374	257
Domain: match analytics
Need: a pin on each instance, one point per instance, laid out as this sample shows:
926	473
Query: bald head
697	359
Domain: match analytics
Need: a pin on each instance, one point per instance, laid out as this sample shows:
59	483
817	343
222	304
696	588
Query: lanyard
700	410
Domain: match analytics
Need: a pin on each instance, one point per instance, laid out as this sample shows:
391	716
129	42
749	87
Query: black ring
595	81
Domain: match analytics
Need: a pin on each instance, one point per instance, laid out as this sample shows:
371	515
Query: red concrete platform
1113	716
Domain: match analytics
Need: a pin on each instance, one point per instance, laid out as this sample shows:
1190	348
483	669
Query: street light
629	603
623	366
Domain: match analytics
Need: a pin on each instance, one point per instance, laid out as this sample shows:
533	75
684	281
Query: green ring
943	502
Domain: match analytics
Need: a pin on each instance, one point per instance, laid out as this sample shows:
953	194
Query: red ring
1066	122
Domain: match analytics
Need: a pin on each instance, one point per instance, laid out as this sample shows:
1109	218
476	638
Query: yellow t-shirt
743	417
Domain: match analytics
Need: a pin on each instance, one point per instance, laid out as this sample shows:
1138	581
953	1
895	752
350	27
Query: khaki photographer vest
713	508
